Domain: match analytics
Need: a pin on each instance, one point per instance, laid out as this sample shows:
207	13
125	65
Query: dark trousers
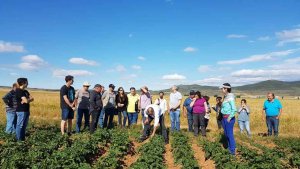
95	117
190	122
109	117
272	124
147	127
80	114
199	121
219	122
206	122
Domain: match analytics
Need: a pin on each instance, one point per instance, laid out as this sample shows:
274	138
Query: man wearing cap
82	103
188	110
95	106
109	104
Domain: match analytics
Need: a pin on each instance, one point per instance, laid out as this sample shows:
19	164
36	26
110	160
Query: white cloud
82	61
141	58
173	77
63	73
190	49
264	38
236	36
214	81
136	67
288	36
11	47
266	73
13	74
259	57
31	63
118	68
204	68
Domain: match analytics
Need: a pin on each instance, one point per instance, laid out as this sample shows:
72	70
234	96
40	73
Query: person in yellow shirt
132	108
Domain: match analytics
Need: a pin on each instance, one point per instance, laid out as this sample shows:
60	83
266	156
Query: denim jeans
175	120
101	117
272	124
22	122
190	122
228	132
11	122
132	118
80	114
124	114
109	117
245	124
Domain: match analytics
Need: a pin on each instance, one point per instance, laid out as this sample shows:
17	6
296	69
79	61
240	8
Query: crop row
292	146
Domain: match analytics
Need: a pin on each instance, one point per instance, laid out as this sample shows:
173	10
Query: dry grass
46	110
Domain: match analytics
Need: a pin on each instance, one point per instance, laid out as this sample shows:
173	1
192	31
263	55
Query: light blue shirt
272	108
228	105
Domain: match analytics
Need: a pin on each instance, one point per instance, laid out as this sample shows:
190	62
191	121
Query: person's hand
213	107
228	119
73	108
277	117
194	99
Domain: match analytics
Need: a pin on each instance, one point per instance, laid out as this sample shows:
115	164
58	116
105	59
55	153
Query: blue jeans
80	114
245	124
124	114
11	122
101	117
132	118
228	132
272	124
175	120
190	122
22	121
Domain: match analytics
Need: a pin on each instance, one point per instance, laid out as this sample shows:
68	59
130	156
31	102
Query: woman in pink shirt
199	106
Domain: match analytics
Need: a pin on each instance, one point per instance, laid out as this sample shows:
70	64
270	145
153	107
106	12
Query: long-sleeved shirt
10	101
162	104
156	115
122	100
95	101
243	114
228	105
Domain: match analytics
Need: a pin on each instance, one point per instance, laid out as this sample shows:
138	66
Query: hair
219	98
206	98
14	85
228	89
132	88
272	94
120	89
22	81
68	78
162	93
244	100
175	87
198	93
150	110
123	97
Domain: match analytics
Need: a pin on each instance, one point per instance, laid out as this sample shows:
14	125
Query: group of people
99	106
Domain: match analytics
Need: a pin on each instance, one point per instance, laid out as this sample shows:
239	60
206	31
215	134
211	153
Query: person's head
174	88
161	95
132	91
192	94
146	88
226	88
102	88
14	86
219	100
97	88
206	98
86	86
271	96
111	87
150	111
121	91
22	82
198	95
69	80
243	101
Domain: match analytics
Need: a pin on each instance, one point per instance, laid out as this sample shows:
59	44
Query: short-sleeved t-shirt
199	107
83	97
175	99
187	104
25	106
69	92
131	102
272	108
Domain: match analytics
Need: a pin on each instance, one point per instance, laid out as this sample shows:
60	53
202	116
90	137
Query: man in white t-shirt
175	102
162	103
153	112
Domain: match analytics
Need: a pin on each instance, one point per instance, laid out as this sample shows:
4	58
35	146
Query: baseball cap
97	85
112	86
192	92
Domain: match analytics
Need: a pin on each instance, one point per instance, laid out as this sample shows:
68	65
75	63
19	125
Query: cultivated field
117	148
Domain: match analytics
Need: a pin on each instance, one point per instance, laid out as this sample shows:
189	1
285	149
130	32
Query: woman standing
243	119
228	111
122	102
200	108
23	99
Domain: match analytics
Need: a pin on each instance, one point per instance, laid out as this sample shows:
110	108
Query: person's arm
193	102
240	109
75	103
280	110
264	112
93	100
206	107
247	109
6	99
154	131
156	123
233	110
30	98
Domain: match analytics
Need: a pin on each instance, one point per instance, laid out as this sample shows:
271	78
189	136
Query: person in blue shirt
188	110
243	119
272	110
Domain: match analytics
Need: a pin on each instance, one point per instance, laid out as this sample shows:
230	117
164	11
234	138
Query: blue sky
156	43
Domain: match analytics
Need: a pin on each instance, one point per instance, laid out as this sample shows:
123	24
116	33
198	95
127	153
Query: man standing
132	108
175	102
67	104
11	104
109	104
162	103
188	110
153	112
95	106
102	112
145	100
272	109
82	103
